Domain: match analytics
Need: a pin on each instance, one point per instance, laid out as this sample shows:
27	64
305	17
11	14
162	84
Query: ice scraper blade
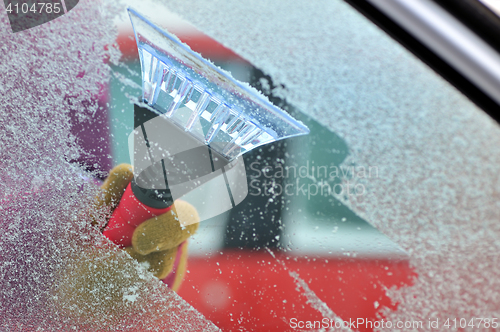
204	100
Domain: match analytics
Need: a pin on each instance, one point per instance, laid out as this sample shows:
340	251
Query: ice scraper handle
146	224
129	214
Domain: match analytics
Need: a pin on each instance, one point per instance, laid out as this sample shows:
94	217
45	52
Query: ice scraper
192	126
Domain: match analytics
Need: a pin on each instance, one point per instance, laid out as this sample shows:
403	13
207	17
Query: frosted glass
437	153
57	272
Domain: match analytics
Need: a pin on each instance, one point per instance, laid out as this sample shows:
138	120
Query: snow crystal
438	154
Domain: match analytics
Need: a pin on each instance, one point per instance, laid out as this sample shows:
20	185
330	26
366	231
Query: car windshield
384	217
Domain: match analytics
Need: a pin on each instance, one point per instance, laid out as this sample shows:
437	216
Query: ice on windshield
433	195
57	272
436	152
